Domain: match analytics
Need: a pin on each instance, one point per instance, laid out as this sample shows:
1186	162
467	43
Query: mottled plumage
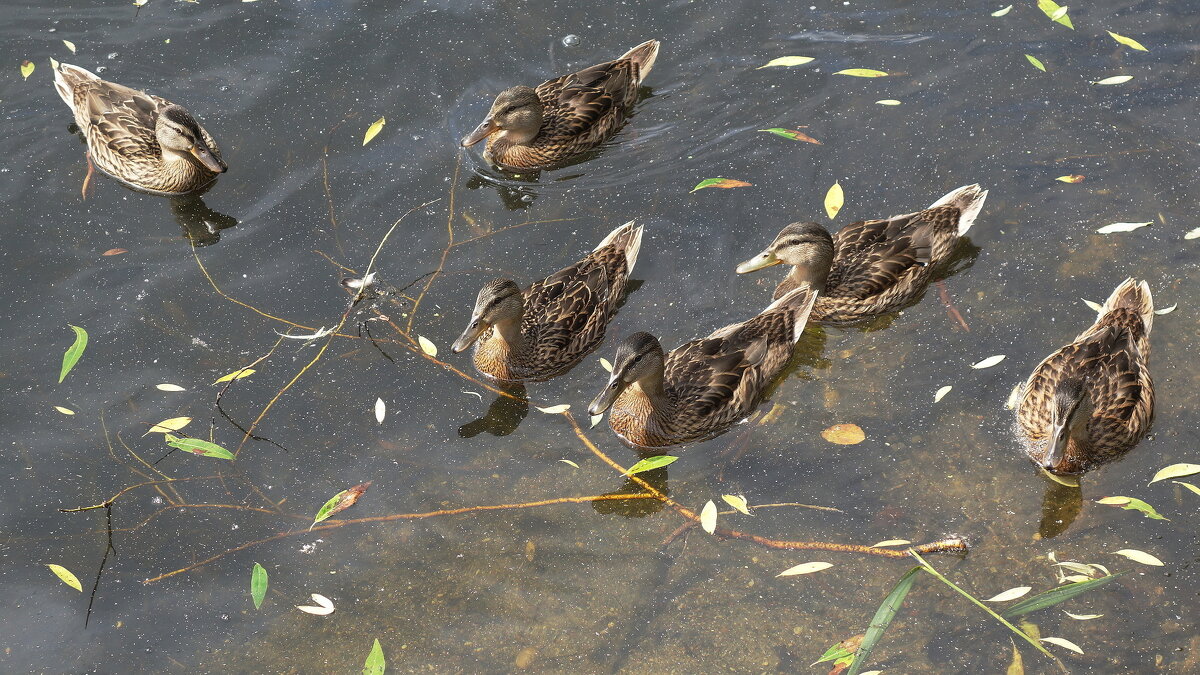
1092	400
529	129
138	138
875	266
705	386
548	328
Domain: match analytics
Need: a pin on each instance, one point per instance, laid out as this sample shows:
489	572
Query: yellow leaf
1128	42
834	199
235	375
65	575
70	45
1073	178
1010	594
168	387
1189	486
595	419
1002	12
556	409
1175	471
844	434
1113	500
65	411
888	101
569	462
427	346
787	61
1082	617
737	502
1139	557
167	426
941	393
988	362
1115	79
805	568
861	72
1063	642
373	130
708	517
890	542
26	69
605	364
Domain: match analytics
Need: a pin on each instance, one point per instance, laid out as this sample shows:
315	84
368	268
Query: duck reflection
503	416
1060	507
201	225
514	190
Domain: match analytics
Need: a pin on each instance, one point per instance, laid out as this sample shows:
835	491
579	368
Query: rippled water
288	91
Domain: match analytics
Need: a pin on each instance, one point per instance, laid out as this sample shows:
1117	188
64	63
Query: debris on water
570	40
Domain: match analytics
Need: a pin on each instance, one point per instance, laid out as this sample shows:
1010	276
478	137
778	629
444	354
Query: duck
871	267
531	128
142	140
1092	400
543	331
705	386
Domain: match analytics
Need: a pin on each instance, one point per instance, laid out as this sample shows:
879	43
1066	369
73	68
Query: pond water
288	90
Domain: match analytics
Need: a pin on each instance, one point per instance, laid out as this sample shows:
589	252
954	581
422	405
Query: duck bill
758	262
481	132
208	159
1060	435
606	398
469	336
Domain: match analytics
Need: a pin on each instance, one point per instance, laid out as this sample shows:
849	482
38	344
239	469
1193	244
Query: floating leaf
74	352
1094	306
26	69
1010	594
650	463
1139	557
1189	486
844	434
792	134
1036	62
373	130
1175	471
569	462
258	585
169	425
1122	227
375	663
1193	234
890	542
941	393
882	619
841	653
71	45
556	409
1167	310
787	61
1115	79
427	346
1073	178
236	375
1128	41
720	183
380	410
1002	12
323	608
988	362
834	199
168	387
1056	595
805	568
1059	13
861	72
1051	9
605	364
1082	617
595	419
888	101
708	517
1063	642
65	411
737	502
1132	504
341	501
197	446
65	575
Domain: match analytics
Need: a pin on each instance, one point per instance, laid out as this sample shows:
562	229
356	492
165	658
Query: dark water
577	587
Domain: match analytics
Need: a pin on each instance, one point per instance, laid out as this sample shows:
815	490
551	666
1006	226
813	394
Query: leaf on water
556	409
1082	617
1193	234
888	101
882	619
605	364
26	69
1073	178
787	61
1063	642
168	387
1139	557
1077	578
1036	62
65	411
380	410
71	45
738	503
941	393
235	375
834	200
1094	306
375	663
197	446
373	130
427	346
569	462
720	183
1017	665
988	362
341	501
861	72
1056	595
595	419
1175	471
258	585
1132	504
1167	310
1050	8
1122	227
1115	79
841	653
1128	41
1002	12
1010	594
805	568
890	542
792	134
169	425
844	434
74	352
650	463
708	517
1189	486
323	608
65	575
1059	13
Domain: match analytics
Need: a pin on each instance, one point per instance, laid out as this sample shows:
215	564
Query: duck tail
969	200
1132	295
625	238
798	301
66	77
644	55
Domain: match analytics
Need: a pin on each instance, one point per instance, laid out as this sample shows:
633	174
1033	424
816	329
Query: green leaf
1036	63
65	575
1132	504
792	134
882	619
373	130
836	653
375	664
1056	595
327	510
71	356
1128	42
258	585
1051	9
26	69
197	446
787	61
861	72
720	183
235	375
650	463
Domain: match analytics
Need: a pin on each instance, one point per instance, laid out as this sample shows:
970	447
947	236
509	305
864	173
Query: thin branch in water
103	561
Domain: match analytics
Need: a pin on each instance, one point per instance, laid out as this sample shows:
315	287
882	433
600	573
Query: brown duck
545	330
529	129
1092	400
870	267
705	386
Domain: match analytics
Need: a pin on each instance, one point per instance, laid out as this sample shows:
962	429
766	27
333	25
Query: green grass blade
71	356
882	619
1056	595
258	585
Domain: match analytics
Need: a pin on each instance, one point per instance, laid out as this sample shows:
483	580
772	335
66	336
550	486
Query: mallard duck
529	129
870	267
705	386
138	138
1093	400
548	328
